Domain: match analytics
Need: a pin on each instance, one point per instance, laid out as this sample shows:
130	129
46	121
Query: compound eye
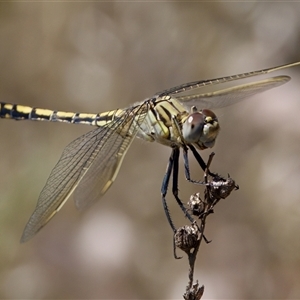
192	128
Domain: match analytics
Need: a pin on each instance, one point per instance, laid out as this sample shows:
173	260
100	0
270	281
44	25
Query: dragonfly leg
186	165
173	166
164	189
200	161
176	153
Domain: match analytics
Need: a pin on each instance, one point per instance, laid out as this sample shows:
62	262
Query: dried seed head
221	188
196	205
186	237
194	293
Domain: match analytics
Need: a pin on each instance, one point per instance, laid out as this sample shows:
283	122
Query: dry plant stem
189	238
192	255
193	291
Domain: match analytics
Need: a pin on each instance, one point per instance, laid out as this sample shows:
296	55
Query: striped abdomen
21	112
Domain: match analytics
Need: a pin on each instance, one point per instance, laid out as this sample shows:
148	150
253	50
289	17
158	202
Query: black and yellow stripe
21	112
166	108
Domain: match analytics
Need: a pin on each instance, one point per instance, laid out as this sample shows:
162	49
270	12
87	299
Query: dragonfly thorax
200	128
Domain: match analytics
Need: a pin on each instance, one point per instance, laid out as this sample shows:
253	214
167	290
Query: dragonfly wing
107	162
231	95
102	173
106	145
190	86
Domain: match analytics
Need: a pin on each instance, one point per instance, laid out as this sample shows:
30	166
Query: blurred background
93	57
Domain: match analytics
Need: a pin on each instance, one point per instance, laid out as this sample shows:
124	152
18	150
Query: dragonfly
180	118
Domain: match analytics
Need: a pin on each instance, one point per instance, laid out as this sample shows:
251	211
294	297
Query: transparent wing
224	97
105	146
102	173
209	82
231	95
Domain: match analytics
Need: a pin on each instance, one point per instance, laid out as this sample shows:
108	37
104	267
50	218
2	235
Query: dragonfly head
201	128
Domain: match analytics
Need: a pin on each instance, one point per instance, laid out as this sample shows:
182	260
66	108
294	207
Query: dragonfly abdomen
21	112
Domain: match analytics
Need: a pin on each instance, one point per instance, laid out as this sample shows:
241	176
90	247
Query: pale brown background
99	56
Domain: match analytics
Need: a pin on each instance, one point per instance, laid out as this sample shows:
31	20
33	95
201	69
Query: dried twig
189	237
